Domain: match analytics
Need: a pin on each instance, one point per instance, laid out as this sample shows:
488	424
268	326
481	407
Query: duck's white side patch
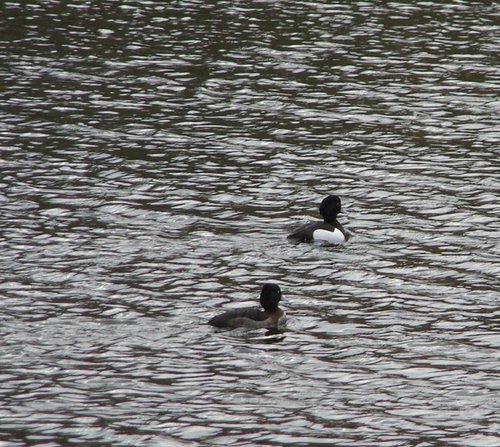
332	237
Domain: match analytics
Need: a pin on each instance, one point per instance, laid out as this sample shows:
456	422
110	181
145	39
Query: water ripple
154	157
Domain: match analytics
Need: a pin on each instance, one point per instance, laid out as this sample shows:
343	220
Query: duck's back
245	317
320	231
305	232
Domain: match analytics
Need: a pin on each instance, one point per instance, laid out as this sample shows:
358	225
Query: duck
254	317
330	230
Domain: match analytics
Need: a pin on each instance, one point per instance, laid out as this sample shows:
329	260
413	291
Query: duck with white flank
330	230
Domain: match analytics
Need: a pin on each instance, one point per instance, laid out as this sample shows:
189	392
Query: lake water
153	158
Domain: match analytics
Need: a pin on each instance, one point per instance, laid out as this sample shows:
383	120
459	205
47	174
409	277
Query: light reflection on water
153	159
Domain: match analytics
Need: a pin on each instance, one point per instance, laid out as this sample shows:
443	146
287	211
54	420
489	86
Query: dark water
154	156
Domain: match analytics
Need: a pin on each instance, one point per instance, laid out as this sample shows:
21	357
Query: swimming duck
254	317
330	230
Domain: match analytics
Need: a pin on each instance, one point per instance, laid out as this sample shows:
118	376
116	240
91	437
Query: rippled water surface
154	155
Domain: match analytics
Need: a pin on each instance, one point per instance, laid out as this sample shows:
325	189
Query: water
154	157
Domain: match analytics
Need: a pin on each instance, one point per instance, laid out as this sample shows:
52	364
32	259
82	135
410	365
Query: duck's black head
270	297
329	208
